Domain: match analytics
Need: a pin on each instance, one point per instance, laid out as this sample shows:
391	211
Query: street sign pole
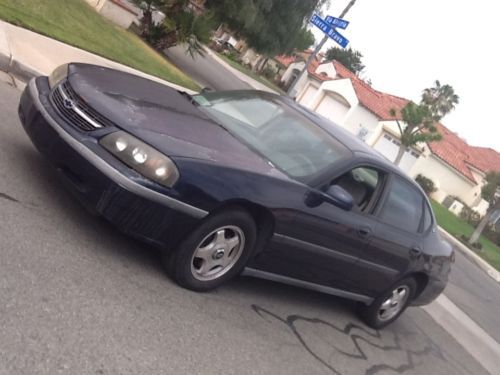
291	90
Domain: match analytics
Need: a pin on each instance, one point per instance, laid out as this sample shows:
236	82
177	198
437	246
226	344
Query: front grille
75	110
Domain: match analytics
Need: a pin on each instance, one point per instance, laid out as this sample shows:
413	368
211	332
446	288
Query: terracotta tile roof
457	153
377	102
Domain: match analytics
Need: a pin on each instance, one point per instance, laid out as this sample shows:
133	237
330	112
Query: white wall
449	181
117	14
328	68
97	4
361	121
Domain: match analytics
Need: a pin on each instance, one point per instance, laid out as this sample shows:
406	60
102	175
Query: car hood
163	118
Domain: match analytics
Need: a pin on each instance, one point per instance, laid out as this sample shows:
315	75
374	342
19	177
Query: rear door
396	242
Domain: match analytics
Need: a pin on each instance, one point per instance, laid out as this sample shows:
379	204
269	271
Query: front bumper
100	181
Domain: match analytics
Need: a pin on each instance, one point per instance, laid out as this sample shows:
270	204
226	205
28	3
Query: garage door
389	146
332	109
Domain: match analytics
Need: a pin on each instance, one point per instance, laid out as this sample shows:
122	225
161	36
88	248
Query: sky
408	44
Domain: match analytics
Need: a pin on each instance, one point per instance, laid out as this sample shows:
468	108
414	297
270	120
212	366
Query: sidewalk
26	54
242	76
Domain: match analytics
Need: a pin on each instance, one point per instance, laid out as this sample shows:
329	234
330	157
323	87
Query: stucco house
457	169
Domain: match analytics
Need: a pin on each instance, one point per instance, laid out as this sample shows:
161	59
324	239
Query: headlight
141	157
58	75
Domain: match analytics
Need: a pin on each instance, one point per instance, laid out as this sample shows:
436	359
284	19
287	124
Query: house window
388	137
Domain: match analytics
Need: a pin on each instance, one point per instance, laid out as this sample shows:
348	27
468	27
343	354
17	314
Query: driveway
205	70
78	297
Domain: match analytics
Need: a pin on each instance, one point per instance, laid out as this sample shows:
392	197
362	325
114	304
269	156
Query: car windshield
289	140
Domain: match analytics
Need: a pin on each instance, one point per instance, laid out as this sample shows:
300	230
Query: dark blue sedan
240	182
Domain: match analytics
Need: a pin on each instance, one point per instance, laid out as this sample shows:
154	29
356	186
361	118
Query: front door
325	244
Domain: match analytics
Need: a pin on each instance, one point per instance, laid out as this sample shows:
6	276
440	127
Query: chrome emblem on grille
68	104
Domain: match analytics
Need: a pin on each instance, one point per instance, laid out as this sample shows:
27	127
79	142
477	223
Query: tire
214	252
377	316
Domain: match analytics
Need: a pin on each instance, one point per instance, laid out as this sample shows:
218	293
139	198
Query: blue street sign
337	22
330	31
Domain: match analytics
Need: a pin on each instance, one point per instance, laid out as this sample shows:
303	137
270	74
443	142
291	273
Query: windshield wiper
189	97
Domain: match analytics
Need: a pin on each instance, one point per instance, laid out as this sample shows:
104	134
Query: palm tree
441	99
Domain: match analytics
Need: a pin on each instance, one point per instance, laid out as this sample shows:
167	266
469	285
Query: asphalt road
205	70
477	294
78	297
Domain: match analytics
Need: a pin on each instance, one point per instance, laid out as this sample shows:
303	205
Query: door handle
364	232
415	252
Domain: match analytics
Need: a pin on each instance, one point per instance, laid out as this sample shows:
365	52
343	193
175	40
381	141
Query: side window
361	183
427	218
403	207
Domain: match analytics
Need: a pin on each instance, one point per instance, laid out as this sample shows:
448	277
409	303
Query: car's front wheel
389	306
214	252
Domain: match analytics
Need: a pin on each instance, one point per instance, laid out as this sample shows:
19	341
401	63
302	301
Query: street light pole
315	52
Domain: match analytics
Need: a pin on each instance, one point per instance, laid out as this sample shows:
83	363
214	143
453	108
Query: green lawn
76	23
455	226
250	73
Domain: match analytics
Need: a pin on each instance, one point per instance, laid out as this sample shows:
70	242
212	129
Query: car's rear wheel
386	308
214	252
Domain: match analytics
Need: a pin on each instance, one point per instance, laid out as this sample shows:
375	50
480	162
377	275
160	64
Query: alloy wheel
217	253
394	304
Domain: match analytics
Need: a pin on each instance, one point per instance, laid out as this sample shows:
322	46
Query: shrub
426	184
269	72
470	216
493	236
477	245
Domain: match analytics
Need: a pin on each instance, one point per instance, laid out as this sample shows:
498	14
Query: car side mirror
335	195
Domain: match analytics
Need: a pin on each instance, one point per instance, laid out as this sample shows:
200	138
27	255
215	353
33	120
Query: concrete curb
472	256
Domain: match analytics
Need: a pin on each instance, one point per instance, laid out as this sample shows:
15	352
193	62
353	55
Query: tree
418	121
180	25
147	7
349	57
271	27
490	192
